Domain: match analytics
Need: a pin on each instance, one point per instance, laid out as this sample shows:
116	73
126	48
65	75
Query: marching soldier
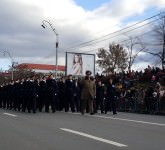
62	93
31	88
76	95
16	102
100	95
69	94
1	88
50	94
42	94
111	96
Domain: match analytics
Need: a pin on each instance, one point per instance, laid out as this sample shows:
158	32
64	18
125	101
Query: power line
98	40
113	32
122	41
149	11
119	42
102	40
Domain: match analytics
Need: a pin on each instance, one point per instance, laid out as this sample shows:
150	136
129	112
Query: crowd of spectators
139	91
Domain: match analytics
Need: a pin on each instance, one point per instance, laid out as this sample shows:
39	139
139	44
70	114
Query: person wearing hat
88	93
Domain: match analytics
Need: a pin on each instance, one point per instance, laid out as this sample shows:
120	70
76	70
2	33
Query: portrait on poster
78	63
76	68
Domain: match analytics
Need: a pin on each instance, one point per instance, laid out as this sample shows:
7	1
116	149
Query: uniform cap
88	72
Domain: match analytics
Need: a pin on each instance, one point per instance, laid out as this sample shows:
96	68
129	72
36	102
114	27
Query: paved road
67	131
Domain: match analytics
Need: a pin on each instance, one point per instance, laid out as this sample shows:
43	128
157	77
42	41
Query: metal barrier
148	105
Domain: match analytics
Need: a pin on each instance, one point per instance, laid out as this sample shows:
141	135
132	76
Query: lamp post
54	30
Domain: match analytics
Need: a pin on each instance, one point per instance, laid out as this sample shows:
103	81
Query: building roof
41	67
5	73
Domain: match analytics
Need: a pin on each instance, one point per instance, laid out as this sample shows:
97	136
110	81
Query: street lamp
54	30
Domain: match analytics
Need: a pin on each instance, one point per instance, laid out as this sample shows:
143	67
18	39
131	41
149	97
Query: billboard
78	63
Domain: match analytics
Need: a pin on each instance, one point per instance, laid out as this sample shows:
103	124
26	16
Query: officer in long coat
88	93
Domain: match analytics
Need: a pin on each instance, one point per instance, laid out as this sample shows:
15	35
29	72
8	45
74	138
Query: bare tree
134	47
22	71
113	58
159	36
2	78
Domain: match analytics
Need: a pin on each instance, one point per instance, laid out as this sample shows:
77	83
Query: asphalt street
72	131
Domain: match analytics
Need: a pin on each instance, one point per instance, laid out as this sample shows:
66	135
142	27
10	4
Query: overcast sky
76	22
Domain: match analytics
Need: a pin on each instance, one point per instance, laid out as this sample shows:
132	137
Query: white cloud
22	34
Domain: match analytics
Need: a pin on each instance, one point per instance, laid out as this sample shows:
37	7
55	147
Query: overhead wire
110	34
150	10
129	32
101	39
116	36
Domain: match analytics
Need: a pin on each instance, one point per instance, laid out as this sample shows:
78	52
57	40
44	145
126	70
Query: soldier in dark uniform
76	95
31	89
37	86
42	94
16	95
62	93
28	95
69	101
26	86
1	87
111	96
34	94
50	94
24	94
2	95
7	96
10	95
100	95
56	94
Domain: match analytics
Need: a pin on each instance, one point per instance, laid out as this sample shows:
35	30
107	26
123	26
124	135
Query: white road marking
94	137
10	114
129	120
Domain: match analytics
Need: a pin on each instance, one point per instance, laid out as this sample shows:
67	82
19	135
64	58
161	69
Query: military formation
50	95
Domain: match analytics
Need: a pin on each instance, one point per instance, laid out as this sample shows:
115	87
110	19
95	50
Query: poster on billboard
78	63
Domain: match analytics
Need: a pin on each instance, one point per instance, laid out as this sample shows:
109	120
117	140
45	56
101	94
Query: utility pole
57	43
